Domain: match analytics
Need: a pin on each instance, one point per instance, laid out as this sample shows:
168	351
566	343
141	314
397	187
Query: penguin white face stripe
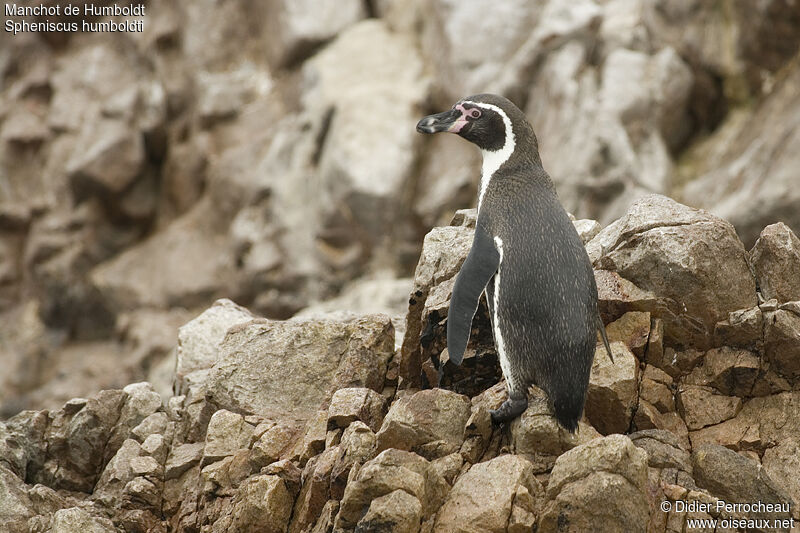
493	160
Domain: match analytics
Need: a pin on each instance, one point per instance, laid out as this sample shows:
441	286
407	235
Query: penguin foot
510	410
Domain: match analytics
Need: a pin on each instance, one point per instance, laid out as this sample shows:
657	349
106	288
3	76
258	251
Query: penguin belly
543	326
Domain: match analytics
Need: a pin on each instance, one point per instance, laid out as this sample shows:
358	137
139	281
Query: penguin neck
494	159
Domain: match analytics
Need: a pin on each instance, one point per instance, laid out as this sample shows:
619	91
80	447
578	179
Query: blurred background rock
265	151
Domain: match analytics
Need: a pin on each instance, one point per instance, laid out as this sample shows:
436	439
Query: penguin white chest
505	364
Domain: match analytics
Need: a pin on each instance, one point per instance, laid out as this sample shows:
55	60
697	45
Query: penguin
529	260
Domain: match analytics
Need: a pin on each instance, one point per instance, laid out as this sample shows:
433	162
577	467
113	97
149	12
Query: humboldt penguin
529	260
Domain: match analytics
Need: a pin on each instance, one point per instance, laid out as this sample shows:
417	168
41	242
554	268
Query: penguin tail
603	334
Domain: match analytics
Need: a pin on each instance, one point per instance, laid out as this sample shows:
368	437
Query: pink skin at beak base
461	122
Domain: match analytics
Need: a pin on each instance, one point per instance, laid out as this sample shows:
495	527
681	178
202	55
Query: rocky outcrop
138	179
299	425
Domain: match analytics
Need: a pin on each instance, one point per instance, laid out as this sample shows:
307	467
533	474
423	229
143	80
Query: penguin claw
510	410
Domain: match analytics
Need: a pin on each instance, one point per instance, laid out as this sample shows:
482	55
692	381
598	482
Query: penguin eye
475	113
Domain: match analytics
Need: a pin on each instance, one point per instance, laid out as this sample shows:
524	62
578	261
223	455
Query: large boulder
289	369
602	481
689	257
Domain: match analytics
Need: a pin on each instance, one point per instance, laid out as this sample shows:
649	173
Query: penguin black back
528	258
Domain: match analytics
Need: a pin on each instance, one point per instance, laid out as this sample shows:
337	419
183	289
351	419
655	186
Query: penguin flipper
479	267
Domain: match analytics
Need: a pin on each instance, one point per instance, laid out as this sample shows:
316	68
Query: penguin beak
448	121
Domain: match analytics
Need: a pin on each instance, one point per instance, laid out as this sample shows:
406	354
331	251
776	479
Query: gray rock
15	505
575	496
746	171
178	266
262	503
430	423
77	520
396	512
296	29
780	464
227	433
781	346
182	458
199	339
351	404
498	495
321	356
689	257
776	261
613	390
391	470
735	478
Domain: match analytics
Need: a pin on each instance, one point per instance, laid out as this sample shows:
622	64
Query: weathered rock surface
675	251
604	480
257	357
776	261
499	495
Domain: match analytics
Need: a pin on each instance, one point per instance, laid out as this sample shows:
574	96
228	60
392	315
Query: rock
587	229
762	422
364	71
391	470
700	263
358	446
632	328
274	443
734	478
295	30
15	505
351	404
182	458
77	520
780	463
257	356
396	512
613	390
776	261
449	466
178	266
537	435
782	342
664	449
443	252
700	407
77	438
316	489
656	388
489	495
604	479
617	296
227	433
732	372
199	339
745	174
466	65
111	159
262	503
430	423
744	328
118	473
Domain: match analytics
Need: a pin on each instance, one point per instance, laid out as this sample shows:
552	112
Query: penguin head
485	120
